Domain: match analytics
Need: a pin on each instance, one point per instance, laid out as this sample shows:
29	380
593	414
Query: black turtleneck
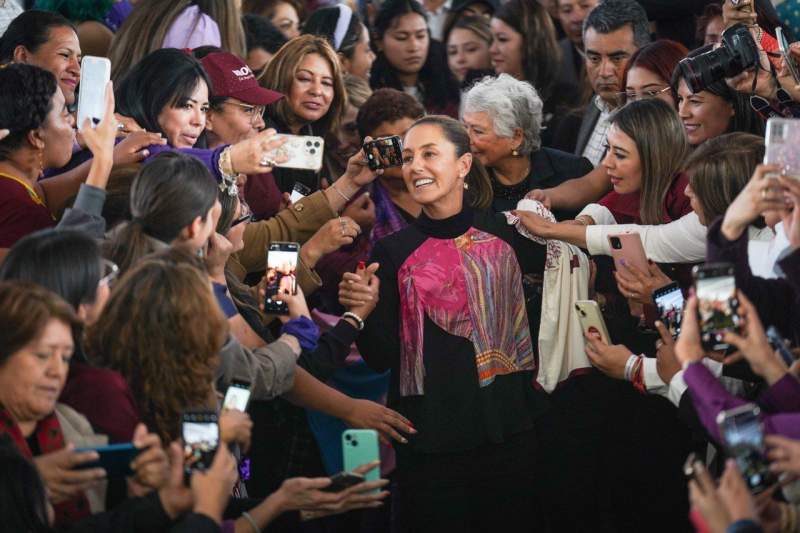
454	414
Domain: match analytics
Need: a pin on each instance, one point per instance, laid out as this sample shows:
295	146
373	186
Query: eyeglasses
255	112
245	218
109	272
630	96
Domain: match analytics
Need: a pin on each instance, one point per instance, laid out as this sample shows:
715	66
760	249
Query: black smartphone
669	301
200	430
743	437
115	459
237	396
281	275
384	152
343	480
715	287
780	345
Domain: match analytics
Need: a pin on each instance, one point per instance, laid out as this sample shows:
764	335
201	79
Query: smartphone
669	301
715	287
384	152
302	152
281	275
200	430
360	446
780	345
628	247
743	436
783	46
95	74
115	459
237	396
343	480
299	192
591	319
783	137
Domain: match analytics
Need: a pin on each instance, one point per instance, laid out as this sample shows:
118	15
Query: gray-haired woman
503	116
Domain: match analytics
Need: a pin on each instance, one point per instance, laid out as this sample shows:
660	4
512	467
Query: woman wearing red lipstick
46	40
410	61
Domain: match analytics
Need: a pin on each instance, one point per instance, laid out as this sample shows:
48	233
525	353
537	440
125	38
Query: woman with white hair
503	116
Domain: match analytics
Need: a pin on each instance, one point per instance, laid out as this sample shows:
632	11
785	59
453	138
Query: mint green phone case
360	446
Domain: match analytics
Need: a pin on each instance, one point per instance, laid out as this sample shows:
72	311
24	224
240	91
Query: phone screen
716	297
670	308
237	396
200	440
743	435
281	274
384	153
299	192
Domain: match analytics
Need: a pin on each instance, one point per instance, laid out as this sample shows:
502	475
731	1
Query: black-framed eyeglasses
245	218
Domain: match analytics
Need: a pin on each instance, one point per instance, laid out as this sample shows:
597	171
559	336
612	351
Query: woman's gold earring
514	152
466	185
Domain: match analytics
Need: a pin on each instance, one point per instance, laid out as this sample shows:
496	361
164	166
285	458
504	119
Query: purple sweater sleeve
209	157
710	398
783	396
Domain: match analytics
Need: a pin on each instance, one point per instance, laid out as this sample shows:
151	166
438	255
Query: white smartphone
237	396
95	74
783	45
782	140
300	151
591	319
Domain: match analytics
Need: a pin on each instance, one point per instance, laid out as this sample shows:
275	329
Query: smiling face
704	115
360	64
486	146
506	49
466	51
61	55
57	132
622	162
183	122
433	172
405	44
311	93
31	379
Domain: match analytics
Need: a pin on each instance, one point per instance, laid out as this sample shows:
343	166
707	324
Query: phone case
115	459
591	319
715	287
783	137
631	250
95	74
286	280
385	152
302	152
360	446
783	46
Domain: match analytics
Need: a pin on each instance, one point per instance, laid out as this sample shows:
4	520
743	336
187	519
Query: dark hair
745	118
541	54
65	262
23	500
659	57
167	194
439	85
25	310
323	23
30	29
166	77
480	193
386	105
202	51
611	15
456	13
266	8
27	99
261	33
710	12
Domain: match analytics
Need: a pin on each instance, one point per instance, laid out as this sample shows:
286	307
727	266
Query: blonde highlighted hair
280	73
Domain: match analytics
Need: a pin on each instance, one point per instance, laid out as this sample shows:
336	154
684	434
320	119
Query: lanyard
31	192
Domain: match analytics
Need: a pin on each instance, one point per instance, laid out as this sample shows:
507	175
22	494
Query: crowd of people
567	302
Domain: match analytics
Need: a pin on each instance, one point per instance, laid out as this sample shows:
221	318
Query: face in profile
622	162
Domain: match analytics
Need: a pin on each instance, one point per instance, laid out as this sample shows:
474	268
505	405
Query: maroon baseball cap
230	76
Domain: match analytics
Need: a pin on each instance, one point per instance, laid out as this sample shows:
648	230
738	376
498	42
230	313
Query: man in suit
571	14
612	32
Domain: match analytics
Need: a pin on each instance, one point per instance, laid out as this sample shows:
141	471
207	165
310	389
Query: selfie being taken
400	266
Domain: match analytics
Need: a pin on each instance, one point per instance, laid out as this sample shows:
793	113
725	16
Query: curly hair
386	105
162	329
27	99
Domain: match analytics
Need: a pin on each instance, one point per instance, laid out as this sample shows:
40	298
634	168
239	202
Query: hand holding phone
360	447
591	320
344	480
237	396
782	138
302	152
115	459
715	287
95	75
200	430
743	436
281	275
669	301
384	153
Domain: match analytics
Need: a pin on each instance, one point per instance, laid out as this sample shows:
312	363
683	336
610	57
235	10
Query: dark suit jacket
575	129
549	168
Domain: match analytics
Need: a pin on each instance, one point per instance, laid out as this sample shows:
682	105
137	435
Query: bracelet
629	367
355	317
225	165
340	193
252	522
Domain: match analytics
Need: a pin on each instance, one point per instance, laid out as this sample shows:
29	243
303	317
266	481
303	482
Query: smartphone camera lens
316	144
615	244
355	442
348	437
312	151
308	143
